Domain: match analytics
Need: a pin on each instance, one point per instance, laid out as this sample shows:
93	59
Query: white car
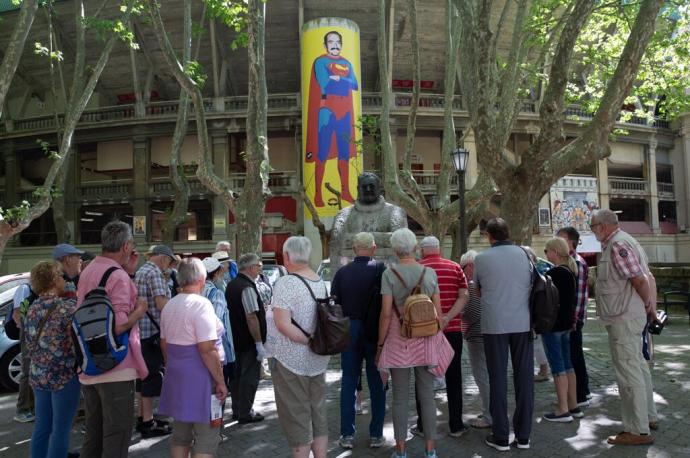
10	351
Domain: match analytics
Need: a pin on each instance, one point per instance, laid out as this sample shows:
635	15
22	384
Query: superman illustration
330	121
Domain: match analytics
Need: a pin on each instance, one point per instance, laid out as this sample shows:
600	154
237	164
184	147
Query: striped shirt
582	292
472	316
451	279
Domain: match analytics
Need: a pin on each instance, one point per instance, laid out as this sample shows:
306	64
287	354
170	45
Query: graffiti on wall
572	209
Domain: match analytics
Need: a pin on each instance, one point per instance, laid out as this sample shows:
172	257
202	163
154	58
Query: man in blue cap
70	261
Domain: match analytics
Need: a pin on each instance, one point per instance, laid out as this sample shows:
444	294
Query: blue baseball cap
64	249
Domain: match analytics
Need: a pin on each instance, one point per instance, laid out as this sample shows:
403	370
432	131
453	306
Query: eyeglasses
546	251
592	226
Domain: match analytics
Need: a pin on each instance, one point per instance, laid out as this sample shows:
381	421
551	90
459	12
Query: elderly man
503	276
109	397
248	322
366	273
626	300
453	287
152	285
222	254
577	355
70	262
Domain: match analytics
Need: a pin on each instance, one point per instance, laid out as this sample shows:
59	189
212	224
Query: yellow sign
219	223
331	111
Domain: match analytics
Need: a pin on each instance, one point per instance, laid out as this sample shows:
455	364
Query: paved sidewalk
582	438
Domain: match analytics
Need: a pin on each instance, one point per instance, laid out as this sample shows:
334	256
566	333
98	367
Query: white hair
220	246
605	216
299	249
190	271
247	260
403	242
468	258
363	240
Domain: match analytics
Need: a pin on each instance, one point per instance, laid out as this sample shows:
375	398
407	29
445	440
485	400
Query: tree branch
15	47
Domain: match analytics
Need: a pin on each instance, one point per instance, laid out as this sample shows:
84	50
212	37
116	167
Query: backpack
544	301
11	327
419	317
332	331
97	348
372	313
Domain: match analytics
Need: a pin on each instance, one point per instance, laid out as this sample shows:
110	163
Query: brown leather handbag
419	317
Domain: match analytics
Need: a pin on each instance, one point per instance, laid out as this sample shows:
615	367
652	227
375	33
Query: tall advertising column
331	111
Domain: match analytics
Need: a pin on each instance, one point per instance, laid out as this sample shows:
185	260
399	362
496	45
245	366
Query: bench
676	298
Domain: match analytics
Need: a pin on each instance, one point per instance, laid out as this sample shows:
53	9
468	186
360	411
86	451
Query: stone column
653	191
11	176
683	194
603	182
141	160
221	158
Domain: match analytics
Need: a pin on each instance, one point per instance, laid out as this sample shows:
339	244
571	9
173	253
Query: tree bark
250	204
204	171
15	47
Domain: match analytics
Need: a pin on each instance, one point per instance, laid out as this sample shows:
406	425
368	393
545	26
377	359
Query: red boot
344	172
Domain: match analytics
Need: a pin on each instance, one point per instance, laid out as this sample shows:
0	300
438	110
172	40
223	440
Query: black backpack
11	327
372	313
332	332
544	301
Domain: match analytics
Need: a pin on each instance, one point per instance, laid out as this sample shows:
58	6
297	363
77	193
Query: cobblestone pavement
582	438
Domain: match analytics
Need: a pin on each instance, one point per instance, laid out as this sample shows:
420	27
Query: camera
656	326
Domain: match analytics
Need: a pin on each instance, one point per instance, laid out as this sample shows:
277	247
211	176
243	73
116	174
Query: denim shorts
557	348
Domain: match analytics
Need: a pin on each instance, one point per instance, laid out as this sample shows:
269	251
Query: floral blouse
52	356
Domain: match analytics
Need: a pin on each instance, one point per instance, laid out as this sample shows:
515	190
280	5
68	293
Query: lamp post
460	156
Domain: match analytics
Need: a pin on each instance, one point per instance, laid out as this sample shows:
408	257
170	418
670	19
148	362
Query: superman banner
331	109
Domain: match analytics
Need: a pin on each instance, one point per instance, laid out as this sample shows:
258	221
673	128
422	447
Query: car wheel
11	368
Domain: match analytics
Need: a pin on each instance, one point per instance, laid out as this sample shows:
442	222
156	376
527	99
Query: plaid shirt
150	283
624	257
582	292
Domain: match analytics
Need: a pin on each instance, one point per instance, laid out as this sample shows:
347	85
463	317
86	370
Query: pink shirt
123	296
188	319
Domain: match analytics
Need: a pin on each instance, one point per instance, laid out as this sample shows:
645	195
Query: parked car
324	271
10	351
273	272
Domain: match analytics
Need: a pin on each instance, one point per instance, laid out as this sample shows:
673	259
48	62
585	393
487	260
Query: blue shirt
352	285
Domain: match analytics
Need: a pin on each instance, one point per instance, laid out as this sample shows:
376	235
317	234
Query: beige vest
617	300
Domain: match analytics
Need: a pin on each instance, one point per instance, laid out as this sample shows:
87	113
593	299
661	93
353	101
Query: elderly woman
399	355
299	379
213	291
472	332
56	386
557	341
191	342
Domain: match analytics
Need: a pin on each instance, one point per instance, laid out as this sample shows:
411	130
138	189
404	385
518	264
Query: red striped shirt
451	279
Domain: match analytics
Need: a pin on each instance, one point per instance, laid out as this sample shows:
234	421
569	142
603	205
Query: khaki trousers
633	376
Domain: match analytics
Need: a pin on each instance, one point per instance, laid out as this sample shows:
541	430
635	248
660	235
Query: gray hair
221	244
299	249
605	216
246	261
468	258
363	240
114	236
403	242
190	271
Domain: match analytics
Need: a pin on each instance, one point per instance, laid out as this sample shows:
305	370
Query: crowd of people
200	329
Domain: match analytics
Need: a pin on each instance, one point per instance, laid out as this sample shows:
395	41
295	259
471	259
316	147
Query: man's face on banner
333	44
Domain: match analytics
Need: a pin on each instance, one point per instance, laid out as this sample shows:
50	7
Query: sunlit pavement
582	438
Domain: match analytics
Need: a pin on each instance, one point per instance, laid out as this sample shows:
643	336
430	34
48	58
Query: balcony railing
116	190
278	182
577	183
289	104
666	191
628	186
428	180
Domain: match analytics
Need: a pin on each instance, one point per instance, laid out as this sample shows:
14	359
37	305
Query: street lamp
460	156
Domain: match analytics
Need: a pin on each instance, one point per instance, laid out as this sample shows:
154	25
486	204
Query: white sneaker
377	442
347	442
26	417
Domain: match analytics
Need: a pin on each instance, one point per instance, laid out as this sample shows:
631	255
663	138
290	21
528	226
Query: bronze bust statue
370	213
